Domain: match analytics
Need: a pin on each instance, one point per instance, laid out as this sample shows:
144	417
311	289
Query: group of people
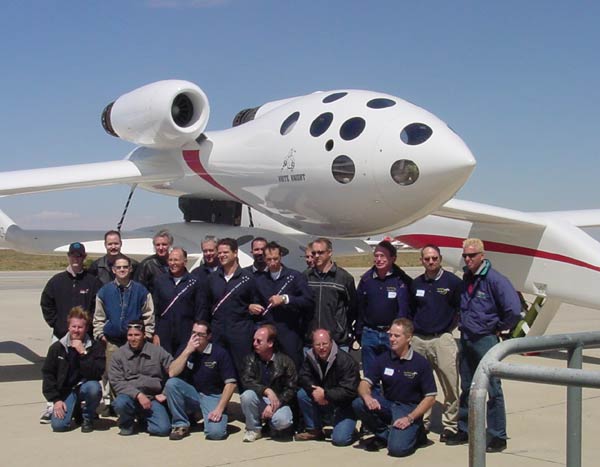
163	348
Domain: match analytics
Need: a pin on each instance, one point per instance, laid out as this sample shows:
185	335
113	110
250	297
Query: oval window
352	128
380	103
333	97
343	169
404	172
321	124
415	133
289	123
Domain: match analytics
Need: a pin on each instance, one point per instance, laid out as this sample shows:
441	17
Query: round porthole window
343	169
404	172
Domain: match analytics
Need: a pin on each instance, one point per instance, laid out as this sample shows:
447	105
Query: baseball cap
77	249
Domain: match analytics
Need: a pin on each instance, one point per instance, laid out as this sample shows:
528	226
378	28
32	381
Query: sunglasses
121	267
139	327
319	252
431	258
471	255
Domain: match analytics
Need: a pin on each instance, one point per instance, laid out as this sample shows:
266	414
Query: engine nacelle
164	114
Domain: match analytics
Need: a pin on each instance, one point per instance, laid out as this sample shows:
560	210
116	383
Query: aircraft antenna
133	187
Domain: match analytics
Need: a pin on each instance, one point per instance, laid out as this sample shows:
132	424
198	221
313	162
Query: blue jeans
342	418
253	407
400	443
373	343
183	399
471	354
156	417
89	392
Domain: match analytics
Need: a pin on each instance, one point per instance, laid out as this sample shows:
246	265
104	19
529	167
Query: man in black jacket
155	265
67	289
269	378
71	374
102	268
335	295
328	383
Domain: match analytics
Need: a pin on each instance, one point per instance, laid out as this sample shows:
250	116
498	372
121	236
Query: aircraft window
329	145
404	172
333	97
343	169
380	103
289	123
321	124
351	128
415	133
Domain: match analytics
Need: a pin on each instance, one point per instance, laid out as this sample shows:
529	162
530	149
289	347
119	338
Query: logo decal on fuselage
288	165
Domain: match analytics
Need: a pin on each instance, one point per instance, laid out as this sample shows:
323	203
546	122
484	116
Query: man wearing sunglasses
436	302
489	304
117	303
138	372
335	296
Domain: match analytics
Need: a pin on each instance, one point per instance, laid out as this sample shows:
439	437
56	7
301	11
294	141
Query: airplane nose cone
421	164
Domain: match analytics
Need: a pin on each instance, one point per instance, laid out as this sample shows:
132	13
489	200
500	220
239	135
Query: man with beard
138	372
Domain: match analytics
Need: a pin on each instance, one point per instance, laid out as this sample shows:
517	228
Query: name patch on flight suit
388	372
420	293
391	292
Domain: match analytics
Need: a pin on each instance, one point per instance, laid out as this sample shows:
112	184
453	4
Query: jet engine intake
165	114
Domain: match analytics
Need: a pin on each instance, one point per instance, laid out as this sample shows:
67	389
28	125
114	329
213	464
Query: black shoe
87	426
375	444
446	434
126	431
460	437
496	445
422	439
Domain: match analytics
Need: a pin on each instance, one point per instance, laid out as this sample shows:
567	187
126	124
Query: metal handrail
573	377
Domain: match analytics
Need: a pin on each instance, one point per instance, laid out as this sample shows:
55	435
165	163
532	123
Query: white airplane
344	163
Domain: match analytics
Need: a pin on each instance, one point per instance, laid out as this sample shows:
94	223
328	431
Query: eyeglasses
199	334
319	252
471	255
121	267
431	258
139	327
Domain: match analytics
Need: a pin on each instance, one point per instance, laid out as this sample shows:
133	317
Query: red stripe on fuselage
192	159
420	240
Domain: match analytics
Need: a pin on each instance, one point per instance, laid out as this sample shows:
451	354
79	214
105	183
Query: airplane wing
141	170
478	212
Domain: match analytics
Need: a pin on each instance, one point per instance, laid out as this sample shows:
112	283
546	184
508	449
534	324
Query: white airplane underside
345	163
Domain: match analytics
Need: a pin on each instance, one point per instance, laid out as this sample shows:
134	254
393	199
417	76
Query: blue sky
517	80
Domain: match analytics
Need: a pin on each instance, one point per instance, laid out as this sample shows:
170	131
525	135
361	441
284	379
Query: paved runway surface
536	413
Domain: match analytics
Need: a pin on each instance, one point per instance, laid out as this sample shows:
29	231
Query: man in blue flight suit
230	291
436	301
286	301
210	262
178	302
259	265
382	296
489	304
395	417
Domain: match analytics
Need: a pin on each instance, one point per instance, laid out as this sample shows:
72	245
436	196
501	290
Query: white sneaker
47	415
250	436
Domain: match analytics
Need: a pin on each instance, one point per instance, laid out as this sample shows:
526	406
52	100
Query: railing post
574	403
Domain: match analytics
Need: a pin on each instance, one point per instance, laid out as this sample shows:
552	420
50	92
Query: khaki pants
442	353
107	393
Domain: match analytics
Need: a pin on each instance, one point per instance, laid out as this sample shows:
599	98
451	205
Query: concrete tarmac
536	413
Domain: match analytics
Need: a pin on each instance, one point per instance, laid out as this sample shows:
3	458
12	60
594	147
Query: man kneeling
269	377
71	374
328	380
409	388
206	382
138	371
